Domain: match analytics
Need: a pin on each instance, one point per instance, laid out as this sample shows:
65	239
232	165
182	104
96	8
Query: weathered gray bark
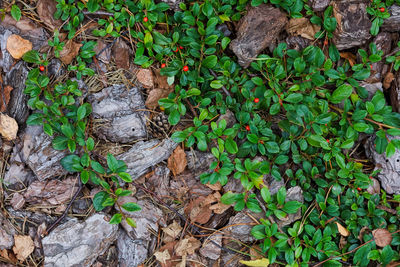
392	24
383	42
258	29
353	23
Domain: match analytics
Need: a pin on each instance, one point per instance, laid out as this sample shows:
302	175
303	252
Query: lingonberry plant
298	116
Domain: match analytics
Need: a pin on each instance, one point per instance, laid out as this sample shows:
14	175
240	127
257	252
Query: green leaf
131	222
341	93
210	62
178	136
60	142
112	162
97	167
265	194
84	176
81	113
231	146
360	127
131	207
16	12
291	206
99	199
281	195
32	56
228	198
90	144
294	98
174	117
71	163
224	43
116	219
361	74
125	176
258	232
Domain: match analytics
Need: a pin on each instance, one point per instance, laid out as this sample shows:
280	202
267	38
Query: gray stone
174	4
257	30
78	244
353	23
119	114
383	41
6	59
241	224
320	5
199	162
131	252
392	24
372	88
389	176
144	155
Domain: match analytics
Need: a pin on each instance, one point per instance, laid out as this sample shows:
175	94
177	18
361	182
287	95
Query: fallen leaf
105	55
382	237
342	242
69	52
4	102
18	46
362	232
302	27
388	80
161	82
350	57
187	246
255	253
145	77
162	257
45	10
375	188
173	230
216	187
8	127
198	211
121	54
256	263
343	231
23	246
177	161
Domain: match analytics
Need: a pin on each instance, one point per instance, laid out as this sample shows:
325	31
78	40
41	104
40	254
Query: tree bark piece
257	30
320	5
119	114
353	23
392	24
144	155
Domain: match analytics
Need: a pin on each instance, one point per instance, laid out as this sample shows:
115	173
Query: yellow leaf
224	18
343	231
257	263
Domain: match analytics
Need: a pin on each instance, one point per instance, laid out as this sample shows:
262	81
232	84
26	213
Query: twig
98	13
223	87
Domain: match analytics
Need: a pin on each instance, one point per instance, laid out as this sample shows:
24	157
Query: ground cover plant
300	115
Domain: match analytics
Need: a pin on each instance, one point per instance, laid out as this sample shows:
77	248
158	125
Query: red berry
256	100
327	140
41	68
177	49
326	42
382	9
145	19
180	47
359	189
370	177
185	68
247	127
370	65
163	65
326	124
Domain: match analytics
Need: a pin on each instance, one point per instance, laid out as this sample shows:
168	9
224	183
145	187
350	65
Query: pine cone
159	126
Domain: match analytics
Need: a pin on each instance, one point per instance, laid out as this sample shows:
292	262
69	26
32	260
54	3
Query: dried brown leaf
362	232
45	10
23	246
6	94
382	237
18	46
121	54
177	161
388	80
198	211
8	127
155	95
161	82
105	55
173	230
162	257
302	27
342	230
145	77
375	188
187	246
70	51
342	242
350	57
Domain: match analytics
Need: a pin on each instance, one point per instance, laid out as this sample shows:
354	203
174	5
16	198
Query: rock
116	114
55	68
18	46
258	29
320	5
144	155
389	176
149	217
43	160
17	201
353	23
211	250
224	29
8	127
145	77
229	117
131	252
292	194
375	188
297	42
372	88
392	24
6	60
53	192
17	107
7	233
78	244
383	42
240	225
